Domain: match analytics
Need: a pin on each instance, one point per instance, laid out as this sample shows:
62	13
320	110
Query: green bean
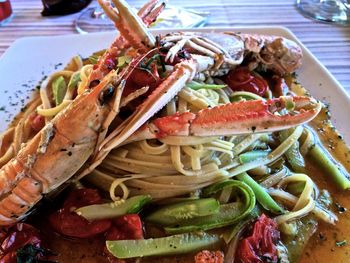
261	194
323	159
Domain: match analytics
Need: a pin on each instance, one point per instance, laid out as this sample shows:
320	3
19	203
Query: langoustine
65	144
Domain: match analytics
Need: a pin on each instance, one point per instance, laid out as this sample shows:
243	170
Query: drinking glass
93	19
335	11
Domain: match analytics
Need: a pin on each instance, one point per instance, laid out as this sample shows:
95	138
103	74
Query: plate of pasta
214	145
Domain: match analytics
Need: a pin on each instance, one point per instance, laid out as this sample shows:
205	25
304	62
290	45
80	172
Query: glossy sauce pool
322	247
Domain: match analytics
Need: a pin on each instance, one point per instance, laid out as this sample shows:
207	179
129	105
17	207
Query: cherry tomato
124	227
109	63
140	78
67	222
82	197
260	247
17	237
241	79
279	86
206	256
37	122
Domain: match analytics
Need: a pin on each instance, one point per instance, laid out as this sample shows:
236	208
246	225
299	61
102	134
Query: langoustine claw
129	24
233	119
148	14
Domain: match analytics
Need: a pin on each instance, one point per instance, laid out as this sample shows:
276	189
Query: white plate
28	60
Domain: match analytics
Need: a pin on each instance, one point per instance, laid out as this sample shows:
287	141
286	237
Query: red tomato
260	247
17	237
37	122
143	77
279	86
241	79
207	256
67	222
140	78
82	197
109	62
124	227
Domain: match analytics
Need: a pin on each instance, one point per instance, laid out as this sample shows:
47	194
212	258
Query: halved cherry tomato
124	227
143	77
82	197
242	79
260	247
37	122
140	78
17	237
279	86
207	256
65	221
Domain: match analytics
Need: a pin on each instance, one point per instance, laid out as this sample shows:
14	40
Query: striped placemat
329	43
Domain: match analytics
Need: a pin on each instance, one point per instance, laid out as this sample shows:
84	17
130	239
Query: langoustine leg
148	14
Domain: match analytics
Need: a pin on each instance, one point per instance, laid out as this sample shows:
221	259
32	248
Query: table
329	43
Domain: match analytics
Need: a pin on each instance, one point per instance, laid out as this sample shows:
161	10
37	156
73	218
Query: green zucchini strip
228	214
176	244
131	205
180	212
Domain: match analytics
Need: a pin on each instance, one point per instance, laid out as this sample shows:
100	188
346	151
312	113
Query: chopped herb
58	65
341	243
150	60
2	108
32	254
